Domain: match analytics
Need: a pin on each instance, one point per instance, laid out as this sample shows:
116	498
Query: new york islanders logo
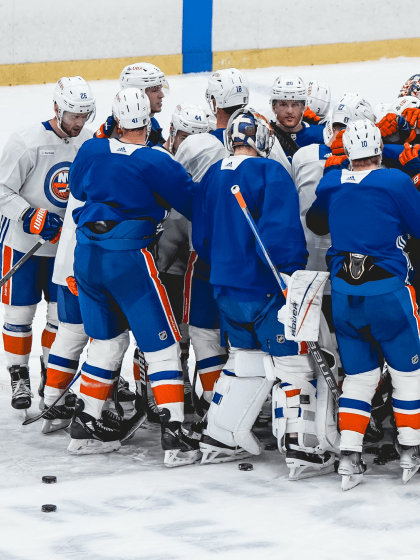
56	185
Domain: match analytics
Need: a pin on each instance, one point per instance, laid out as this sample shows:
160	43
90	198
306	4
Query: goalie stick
313	347
22	261
44	412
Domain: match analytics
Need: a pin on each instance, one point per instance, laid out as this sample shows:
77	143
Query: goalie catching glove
39	221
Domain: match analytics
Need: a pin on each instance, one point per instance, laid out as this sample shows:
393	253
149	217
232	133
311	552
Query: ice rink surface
127	505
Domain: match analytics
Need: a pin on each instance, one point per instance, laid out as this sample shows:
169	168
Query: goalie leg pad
406	405
234	408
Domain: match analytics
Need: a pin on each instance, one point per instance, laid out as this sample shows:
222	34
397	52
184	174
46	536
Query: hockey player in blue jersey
288	100
152	81
369	212
127	188
248	296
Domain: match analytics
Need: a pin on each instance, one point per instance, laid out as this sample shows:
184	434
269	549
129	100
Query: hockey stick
44	412
313	347
175	257
22	261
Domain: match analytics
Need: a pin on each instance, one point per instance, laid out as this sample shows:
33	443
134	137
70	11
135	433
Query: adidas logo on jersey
229	164
351	178
121	149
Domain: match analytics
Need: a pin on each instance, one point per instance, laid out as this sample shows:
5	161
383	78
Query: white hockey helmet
143	75
351	107
131	108
362	139
228	87
289	88
380	110
75	96
246	127
189	118
319	98
403	103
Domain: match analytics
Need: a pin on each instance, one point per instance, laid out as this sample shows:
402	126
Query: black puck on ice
49	507
245	466
49	479
270	446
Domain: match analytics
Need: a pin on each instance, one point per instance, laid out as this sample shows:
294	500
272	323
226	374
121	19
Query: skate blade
216	455
23	413
178	458
91	446
302	472
133	429
41	404
350	481
409	473
49	426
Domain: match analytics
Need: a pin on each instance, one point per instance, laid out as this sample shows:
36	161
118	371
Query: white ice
127	505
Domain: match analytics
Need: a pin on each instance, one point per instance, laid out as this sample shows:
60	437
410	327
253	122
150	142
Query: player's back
198	152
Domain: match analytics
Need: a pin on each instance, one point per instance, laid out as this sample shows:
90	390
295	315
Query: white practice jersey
64	259
34	169
307	170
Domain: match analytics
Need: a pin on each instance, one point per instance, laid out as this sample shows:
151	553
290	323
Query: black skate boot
152	410
89	435
351	468
59	416
306	465
181	448
21	387
124	393
42	383
214	451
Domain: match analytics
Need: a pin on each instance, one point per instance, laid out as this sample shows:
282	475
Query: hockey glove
310	117
416	181
388	125
336	162
71	283
337	146
106	129
409	153
412	116
39	221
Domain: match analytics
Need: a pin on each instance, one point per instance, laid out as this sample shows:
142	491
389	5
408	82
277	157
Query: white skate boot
409	461
351	468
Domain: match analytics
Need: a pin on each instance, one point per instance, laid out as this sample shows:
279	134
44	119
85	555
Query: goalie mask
248	128
411	87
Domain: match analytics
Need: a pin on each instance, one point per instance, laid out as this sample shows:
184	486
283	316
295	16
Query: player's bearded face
155	95
179	138
289	113
73	123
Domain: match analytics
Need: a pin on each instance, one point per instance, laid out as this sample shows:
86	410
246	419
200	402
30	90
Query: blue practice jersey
367	213
219	133
121	181
223	238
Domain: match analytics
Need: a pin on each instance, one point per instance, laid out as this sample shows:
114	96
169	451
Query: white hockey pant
165	376
238	399
17	332
99	372
210	357
63	360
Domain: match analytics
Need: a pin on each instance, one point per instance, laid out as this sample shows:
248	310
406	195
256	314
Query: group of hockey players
184	242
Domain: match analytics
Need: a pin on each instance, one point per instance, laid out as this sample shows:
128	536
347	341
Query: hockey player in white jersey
34	171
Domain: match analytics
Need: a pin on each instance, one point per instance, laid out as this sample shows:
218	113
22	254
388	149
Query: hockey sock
47	340
63	359
17	341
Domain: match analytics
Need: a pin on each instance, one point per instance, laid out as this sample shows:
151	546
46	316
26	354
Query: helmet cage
246	127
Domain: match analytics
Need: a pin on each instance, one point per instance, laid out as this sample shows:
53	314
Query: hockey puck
49	507
270	446
49	479
245	466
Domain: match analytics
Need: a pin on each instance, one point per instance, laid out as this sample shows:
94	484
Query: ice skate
181	447
217	452
21	389
57	418
125	396
42	383
89	435
351	468
127	426
409	461
306	465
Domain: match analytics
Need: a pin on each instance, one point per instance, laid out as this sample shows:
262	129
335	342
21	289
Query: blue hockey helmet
246	127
